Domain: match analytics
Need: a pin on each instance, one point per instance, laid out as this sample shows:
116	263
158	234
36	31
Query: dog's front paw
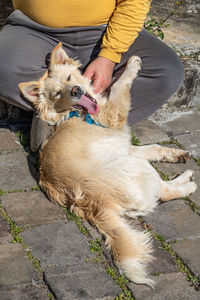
181	156
134	63
174	155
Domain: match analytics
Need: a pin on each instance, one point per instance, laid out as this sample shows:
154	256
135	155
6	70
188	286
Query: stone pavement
47	253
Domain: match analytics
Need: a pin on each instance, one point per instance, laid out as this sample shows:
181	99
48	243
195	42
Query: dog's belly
135	176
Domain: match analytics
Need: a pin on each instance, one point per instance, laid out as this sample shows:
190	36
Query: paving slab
16	173
81	281
8	140
148	133
24	293
183	123
168	286
29	209
15	267
189	251
62	243
196	196
163	262
191	142
175	221
4	228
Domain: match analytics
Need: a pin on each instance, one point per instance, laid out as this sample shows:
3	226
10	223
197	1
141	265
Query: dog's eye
57	94
68	78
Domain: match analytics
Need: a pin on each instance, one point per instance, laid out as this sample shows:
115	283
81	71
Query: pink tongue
86	102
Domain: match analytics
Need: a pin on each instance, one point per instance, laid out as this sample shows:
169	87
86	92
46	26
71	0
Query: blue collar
88	119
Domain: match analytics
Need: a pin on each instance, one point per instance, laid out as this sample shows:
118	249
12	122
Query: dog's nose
76	91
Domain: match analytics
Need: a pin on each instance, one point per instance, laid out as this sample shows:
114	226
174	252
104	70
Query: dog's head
61	89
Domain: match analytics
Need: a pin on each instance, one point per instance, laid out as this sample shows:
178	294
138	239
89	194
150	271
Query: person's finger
89	73
104	86
98	84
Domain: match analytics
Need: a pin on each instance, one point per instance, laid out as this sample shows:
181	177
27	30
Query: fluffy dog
89	164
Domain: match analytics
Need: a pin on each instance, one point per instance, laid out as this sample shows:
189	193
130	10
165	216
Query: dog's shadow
20	124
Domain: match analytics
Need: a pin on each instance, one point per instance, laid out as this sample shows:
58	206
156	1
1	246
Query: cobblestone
15	267
185	123
62	244
148	132
8	140
30	209
81	281
4	228
190	141
163	262
188	250
16	173
175	221
24	293
168	287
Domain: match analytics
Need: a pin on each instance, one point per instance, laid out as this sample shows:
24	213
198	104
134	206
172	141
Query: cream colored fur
94	170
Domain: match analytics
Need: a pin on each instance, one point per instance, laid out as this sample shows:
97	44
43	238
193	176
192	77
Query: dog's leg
119	89
180	187
159	153
115	112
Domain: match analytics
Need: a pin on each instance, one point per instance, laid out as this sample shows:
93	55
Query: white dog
90	165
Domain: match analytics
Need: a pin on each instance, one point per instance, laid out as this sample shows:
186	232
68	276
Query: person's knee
173	73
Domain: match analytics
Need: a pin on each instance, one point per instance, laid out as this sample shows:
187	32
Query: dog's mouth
86	102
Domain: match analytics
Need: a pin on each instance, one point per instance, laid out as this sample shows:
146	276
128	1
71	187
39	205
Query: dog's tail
131	248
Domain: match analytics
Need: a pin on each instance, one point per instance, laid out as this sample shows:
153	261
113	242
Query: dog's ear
58	55
30	90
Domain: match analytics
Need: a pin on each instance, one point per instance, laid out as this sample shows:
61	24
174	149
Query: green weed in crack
15	230
23	138
134	140
197	160
195	208
79	222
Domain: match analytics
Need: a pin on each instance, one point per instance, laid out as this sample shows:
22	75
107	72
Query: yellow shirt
125	19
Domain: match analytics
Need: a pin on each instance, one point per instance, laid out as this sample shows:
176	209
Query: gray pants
26	45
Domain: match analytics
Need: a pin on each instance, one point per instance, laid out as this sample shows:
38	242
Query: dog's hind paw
190	188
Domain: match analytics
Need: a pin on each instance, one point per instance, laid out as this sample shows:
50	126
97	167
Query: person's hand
100	71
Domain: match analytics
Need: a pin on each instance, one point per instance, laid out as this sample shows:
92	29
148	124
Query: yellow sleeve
123	27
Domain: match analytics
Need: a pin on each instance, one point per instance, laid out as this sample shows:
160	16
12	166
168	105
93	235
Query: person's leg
160	77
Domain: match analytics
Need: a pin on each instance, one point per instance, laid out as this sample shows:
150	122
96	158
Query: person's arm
123	28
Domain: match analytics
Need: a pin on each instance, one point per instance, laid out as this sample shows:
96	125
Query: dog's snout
76	91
